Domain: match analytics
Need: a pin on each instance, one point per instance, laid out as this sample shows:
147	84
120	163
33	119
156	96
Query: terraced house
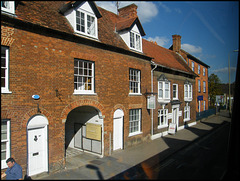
74	75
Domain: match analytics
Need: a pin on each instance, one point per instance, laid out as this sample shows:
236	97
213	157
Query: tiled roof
165	57
46	13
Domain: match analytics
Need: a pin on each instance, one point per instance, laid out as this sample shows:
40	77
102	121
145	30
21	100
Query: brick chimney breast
176	43
129	11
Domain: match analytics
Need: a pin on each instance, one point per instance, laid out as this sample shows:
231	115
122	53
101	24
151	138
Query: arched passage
84	129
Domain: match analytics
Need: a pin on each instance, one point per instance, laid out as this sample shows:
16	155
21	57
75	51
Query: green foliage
213	88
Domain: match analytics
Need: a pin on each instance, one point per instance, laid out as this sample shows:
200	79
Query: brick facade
41	65
41	62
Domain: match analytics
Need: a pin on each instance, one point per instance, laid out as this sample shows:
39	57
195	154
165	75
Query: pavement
85	166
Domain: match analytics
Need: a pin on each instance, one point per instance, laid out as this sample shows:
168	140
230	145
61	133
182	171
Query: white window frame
163	89
193	66
204	86
7	141
162	114
11	7
86	28
187	92
135	120
135	41
134	82
204	71
176	91
199	69
199	85
80	76
186	113
5	89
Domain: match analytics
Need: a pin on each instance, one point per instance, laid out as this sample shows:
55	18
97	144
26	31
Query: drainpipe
152	92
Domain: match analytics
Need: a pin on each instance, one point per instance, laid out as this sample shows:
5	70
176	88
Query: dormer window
135	41
8	6
83	16
86	23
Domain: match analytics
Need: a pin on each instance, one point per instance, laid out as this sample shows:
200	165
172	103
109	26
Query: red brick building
173	85
74	75
200	68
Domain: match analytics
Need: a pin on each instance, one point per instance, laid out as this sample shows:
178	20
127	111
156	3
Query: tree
213	88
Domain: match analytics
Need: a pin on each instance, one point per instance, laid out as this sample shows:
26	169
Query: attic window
8	6
135	41
86	24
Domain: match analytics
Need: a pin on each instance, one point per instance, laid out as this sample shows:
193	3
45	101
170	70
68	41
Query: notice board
93	131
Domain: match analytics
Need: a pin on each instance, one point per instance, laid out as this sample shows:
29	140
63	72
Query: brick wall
41	65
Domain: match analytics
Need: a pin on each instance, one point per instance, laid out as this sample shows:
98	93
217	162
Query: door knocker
35	138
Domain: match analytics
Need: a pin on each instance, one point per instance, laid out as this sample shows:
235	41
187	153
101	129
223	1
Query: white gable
85	7
135	29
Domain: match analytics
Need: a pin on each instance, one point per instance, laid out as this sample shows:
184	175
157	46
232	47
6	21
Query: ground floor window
162	118
5	142
134	121
187	113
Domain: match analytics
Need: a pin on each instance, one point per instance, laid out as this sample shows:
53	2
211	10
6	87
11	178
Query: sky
209	29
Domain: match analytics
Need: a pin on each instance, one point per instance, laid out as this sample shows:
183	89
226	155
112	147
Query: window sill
185	120
164	100
188	99
4	91
135	94
134	134
85	93
162	126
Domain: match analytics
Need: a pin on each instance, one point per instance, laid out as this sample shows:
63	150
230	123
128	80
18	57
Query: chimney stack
176	43
129	11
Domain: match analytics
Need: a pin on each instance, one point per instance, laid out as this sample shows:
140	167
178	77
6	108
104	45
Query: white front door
175	116
118	133
37	150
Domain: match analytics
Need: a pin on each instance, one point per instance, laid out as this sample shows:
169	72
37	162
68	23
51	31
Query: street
205	158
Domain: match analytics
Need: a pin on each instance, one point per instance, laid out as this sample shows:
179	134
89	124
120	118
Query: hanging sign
151	102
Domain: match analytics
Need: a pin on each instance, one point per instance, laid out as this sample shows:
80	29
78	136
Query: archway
84	130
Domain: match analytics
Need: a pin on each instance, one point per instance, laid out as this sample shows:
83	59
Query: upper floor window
83	77
199	69
8	6
204	73
193	66
175	91
135	41
163	89
5	69
187	91
199	86
204	86
86	24
134	81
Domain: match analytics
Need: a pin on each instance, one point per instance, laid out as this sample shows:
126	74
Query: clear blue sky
209	29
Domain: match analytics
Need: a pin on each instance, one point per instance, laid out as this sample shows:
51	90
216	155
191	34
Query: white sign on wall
151	102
